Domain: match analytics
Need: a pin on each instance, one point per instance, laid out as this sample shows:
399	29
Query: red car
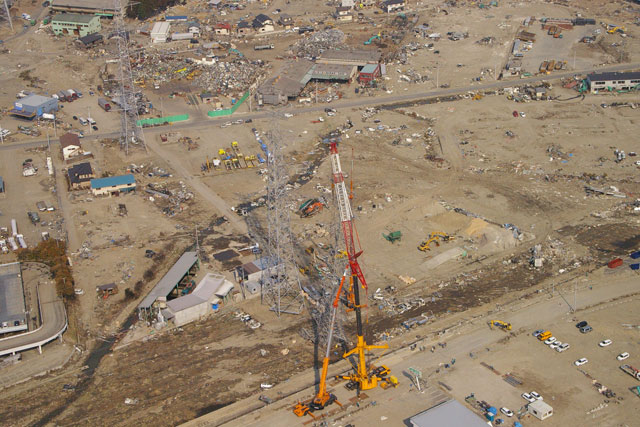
515	113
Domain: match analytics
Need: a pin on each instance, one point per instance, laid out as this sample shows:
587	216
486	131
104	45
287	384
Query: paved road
54	322
205	122
460	342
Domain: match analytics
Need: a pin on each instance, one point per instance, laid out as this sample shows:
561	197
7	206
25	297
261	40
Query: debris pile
316	43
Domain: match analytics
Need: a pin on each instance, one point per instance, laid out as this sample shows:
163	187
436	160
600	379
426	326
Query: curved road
54	323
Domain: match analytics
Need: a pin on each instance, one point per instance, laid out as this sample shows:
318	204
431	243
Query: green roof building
78	25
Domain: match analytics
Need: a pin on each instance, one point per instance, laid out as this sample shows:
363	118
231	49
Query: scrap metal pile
212	74
316	43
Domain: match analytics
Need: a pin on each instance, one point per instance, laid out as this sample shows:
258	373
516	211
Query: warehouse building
613	81
34	106
13	316
449	413
205	299
113	185
358	57
369	73
171	284
160	32
76	24
96	7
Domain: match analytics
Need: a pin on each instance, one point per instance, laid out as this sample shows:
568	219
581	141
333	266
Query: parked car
605	343
581	362
581	324
528	397
586	329
563	347
78	291
536	395
522	114
515	113
537	332
508	412
555	345
550	340
623	356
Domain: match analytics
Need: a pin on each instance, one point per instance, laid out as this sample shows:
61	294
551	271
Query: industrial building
369	73
80	176
96	7
613	81
70	145
212	290
113	185
76	24
160	32
171	284
34	106
13	317
450	413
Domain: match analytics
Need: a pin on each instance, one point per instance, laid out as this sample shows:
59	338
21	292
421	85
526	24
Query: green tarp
163	120
229	111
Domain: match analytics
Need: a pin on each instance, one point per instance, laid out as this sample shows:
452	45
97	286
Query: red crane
366	377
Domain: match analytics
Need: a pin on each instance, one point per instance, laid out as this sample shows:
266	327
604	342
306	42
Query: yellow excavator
434	237
505	326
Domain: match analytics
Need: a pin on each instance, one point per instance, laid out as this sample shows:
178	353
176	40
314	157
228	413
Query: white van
83	121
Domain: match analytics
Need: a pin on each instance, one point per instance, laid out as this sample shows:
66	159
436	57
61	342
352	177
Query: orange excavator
323	398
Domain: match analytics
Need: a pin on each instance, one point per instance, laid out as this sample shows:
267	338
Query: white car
522	114
563	347
536	395
78	291
605	343
528	397
288	115
581	362
550	340
623	356
507	412
555	345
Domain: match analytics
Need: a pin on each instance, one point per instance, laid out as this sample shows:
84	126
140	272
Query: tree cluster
52	253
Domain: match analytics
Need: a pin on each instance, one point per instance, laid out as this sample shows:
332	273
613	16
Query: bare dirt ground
445	166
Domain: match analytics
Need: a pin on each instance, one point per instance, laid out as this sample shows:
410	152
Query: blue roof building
34	105
113	185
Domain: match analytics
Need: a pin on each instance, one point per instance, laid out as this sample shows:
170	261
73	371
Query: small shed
90	40
540	409
206	97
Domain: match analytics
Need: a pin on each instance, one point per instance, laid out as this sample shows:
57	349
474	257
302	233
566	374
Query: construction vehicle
393	237
310	207
613	29
635	373
478	96
365	376
237	52
434	237
374	37
323	398
635	390
500	324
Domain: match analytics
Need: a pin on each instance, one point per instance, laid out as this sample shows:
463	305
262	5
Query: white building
212	290
613	81
70	144
160	32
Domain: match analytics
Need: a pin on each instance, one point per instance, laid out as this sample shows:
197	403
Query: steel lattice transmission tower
131	132
281	287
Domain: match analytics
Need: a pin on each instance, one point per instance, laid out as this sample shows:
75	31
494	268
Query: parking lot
569	389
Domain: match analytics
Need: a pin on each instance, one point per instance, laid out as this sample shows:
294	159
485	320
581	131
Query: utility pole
437	75
6	8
